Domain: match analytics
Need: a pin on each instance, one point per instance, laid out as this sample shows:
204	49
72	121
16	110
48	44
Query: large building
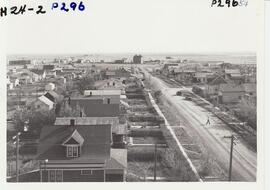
137	59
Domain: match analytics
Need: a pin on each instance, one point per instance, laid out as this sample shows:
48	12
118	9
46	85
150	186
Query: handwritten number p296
72	5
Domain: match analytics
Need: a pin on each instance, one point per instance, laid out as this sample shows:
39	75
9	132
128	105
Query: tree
67	111
85	83
36	119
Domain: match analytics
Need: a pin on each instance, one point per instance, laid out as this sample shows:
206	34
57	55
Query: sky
134	26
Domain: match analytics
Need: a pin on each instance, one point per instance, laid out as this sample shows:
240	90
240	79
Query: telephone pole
155	166
17	137
231	156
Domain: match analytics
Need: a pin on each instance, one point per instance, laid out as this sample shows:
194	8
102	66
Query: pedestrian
208	121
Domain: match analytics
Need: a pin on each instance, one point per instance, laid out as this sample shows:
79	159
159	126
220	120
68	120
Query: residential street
211	136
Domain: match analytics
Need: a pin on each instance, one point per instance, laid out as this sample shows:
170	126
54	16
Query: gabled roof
218	80
53	96
45	100
250	87
113	121
38	72
232	71
95	107
236	75
76	136
231	88
95	148
110	73
202	74
120	155
102	92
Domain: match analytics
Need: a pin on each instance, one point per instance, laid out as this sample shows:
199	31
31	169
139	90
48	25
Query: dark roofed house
95	107
48	67
78	153
53	96
109	74
19	62
231	93
250	88
40	73
213	86
119	131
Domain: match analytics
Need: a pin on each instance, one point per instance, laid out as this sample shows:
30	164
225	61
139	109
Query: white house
43	103
50	87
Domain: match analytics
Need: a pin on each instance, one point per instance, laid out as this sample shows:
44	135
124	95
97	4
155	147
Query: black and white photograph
132	91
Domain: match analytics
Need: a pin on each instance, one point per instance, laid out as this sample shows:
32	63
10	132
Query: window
86	172
75	151
58	175
55	175
72	151
69	151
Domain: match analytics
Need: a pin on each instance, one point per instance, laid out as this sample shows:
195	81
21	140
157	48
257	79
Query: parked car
188	98
178	93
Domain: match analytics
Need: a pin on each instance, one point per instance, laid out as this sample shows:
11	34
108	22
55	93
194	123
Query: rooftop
102	92
113	121
95	147
45	100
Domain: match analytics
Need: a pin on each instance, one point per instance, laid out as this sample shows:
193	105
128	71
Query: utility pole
40	171
17	155
155	167
231	156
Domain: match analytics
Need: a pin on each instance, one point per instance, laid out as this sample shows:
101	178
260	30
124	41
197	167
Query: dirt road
211	136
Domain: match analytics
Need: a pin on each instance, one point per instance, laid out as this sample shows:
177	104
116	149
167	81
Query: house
213	86
53	96
27	77
137	59
225	65
119	131
15	81
48	67
203	77
50	74
234	74
79	153
10	86
20	62
231	93
49	86
62	80
40	72
108	96
43	103
94	106
250	89
109	74
168	67
184	75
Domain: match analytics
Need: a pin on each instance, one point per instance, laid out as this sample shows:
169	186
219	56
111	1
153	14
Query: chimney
72	122
69	100
81	114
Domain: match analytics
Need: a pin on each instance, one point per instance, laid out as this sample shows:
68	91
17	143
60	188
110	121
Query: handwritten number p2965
228	3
